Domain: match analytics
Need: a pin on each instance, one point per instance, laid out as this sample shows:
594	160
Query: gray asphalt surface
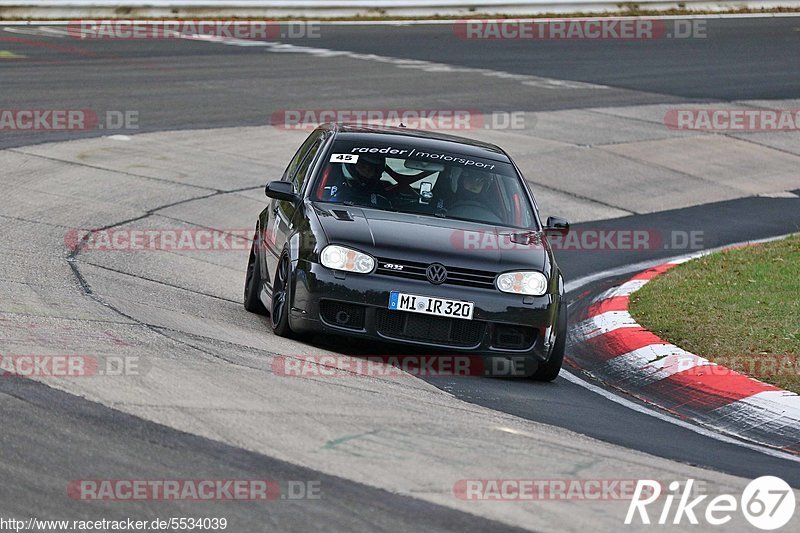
180	84
50	438
188	85
736	60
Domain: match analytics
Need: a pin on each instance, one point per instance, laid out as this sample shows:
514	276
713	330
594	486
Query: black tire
252	284
549	371
281	299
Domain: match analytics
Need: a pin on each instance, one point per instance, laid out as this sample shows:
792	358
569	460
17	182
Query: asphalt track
182	85
176	85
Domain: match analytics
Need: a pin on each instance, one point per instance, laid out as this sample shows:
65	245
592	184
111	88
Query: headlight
347	259
529	283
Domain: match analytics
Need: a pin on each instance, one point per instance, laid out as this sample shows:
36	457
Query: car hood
424	239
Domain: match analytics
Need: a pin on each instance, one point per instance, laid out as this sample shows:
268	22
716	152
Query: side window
302	171
301	153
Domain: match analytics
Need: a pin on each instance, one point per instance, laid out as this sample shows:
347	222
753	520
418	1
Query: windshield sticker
385	151
455	159
408	154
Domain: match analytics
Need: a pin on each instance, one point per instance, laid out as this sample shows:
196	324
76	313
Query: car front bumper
503	325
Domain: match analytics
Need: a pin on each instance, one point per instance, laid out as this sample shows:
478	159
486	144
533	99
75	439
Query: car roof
420	139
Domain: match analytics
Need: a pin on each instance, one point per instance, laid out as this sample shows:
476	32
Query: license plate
428	305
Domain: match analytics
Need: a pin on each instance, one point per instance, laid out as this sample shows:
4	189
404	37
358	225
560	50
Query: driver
364	183
366	172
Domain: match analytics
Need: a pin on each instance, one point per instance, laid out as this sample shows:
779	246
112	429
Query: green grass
739	308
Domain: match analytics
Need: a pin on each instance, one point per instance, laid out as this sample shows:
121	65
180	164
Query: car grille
455	276
341	314
416	327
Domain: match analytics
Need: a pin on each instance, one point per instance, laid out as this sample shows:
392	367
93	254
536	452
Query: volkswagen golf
410	237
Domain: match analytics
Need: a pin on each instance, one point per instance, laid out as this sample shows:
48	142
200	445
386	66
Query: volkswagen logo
437	273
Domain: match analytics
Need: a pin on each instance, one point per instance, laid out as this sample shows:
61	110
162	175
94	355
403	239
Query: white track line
607	322
652	363
414	64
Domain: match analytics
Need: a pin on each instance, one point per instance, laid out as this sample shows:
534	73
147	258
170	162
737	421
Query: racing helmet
368	169
474	176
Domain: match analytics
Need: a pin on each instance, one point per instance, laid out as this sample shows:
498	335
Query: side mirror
282	190
557	225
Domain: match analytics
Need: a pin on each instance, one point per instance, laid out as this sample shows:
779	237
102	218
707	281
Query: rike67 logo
767	503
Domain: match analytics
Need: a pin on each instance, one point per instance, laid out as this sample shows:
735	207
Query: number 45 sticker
344	158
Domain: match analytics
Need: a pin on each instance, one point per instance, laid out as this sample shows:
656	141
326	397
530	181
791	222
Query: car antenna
401	125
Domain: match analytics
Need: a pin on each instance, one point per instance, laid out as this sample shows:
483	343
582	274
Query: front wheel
549	371
281	300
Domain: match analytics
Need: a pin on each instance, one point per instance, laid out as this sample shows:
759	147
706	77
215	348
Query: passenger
472	185
474	195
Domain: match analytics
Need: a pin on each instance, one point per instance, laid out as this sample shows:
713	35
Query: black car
410	237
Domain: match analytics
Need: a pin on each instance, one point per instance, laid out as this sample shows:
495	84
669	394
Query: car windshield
424	182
